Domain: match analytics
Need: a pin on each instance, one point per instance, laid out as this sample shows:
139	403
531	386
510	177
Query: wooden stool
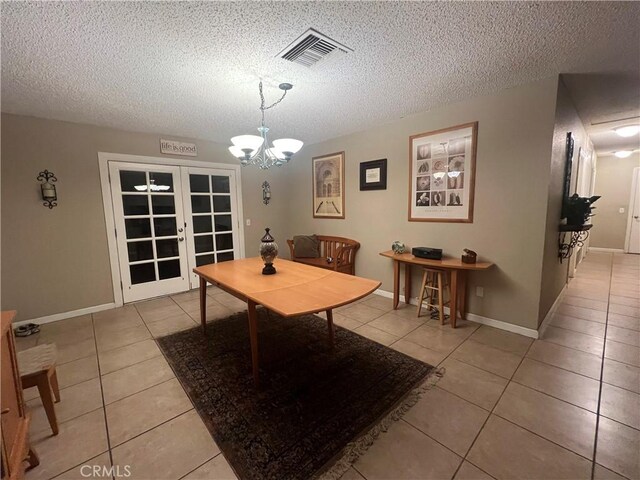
38	369
433	282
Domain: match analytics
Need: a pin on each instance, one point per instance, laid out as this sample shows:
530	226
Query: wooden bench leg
422	290
44	387
32	458
54	385
440	300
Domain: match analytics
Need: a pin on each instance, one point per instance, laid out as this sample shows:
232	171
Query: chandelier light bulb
288	145
247	142
627	131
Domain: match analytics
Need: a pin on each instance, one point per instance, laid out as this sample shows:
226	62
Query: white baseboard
606	250
509	327
547	318
65	315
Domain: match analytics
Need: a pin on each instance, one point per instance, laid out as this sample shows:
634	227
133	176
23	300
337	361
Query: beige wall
57	260
554	273
514	137
613	183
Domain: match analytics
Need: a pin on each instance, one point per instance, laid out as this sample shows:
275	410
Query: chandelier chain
262	107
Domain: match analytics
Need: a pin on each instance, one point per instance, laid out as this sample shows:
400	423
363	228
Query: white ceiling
606	101
191	69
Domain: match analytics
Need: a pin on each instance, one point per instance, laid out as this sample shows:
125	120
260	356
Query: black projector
427	252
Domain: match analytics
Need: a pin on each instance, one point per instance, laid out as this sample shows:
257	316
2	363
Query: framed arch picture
328	186
442	167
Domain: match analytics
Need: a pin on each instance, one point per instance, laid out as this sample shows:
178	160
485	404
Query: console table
457	269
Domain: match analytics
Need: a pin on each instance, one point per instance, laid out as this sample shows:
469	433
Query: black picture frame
371	166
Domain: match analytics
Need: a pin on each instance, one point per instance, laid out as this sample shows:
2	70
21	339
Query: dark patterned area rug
312	401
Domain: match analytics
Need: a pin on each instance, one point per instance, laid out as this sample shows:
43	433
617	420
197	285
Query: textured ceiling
191	69
604	102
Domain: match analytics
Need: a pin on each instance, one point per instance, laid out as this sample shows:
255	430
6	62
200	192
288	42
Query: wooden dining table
458	283
295	289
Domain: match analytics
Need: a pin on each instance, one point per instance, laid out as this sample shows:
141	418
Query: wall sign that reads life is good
172	147
442	174
328	186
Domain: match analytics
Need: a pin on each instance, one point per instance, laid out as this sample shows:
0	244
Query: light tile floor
507	407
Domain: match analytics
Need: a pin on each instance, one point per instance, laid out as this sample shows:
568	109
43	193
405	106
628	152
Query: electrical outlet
621	210
248	222
480	292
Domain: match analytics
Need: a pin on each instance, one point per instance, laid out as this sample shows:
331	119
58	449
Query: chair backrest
329	246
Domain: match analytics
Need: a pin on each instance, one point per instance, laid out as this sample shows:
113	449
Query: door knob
181	229
181	239
636	217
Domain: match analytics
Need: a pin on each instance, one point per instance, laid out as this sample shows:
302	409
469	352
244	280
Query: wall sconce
266	193
48	189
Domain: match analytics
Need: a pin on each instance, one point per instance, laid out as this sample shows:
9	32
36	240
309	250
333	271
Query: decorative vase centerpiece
398	247
268	252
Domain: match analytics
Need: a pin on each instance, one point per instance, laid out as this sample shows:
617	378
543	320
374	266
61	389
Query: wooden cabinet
15	418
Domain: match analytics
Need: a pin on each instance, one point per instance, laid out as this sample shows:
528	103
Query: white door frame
103	164
632	201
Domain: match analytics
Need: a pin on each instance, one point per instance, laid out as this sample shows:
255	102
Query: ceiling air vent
311	47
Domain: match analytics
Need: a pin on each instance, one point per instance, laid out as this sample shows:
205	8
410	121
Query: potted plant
578	210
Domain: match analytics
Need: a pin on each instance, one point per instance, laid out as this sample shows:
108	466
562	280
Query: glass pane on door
150	225
211	214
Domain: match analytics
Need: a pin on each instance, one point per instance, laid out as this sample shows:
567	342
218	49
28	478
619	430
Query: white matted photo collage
442	174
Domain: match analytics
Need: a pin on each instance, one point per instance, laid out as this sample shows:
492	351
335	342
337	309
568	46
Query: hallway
595	334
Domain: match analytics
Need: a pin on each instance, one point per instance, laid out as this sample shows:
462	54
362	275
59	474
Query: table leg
396	284
453	303
253	334
462	288
331	329
407	283
203	304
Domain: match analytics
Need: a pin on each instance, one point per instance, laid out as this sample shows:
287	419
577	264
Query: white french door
633	227
212	214
168	220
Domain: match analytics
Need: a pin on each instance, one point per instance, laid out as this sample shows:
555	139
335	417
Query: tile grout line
140	391
604	349
492	410
104	407
593	321
193	407
156	426
204	463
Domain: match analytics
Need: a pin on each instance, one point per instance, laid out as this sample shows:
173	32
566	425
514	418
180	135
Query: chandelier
255	149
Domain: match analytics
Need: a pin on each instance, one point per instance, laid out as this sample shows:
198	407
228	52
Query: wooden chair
38	369
433	283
